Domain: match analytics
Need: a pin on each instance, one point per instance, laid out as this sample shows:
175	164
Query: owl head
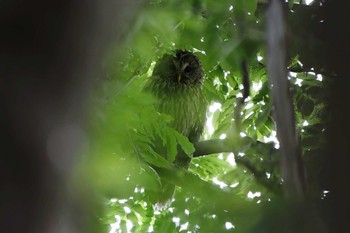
181	68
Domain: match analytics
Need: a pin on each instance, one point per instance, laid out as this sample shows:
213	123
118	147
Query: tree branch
291	165
215	146
299	69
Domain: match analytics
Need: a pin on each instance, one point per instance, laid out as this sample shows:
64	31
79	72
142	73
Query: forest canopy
229	187
85	148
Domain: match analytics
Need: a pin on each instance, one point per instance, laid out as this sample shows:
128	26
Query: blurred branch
212	147
291	165
215	146
303	70
263	6
245	79
299	69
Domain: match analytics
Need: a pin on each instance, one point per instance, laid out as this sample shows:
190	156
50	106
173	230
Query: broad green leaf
155	159
171	146
185	144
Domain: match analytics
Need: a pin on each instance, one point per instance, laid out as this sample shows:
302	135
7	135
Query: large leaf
185	144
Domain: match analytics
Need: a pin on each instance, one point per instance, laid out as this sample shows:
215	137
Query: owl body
177	84
185	104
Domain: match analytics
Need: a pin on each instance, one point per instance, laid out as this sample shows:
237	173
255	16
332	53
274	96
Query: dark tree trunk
337	33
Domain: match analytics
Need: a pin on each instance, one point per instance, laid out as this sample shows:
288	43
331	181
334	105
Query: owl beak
179	78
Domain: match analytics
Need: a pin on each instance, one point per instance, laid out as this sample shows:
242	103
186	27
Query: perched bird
177	84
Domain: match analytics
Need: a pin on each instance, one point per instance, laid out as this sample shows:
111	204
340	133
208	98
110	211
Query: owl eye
188	69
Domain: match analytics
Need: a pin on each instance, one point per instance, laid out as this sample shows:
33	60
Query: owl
177	84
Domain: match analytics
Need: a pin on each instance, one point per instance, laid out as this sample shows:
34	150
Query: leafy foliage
220	192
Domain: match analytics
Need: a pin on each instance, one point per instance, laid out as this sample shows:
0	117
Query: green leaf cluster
221	192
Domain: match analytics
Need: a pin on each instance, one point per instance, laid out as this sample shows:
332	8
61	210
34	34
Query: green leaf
128	128
232	81
154	158
262	116
185	144
171	146
251	5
